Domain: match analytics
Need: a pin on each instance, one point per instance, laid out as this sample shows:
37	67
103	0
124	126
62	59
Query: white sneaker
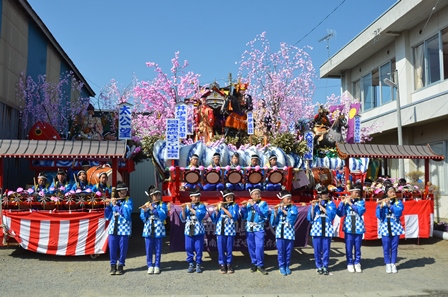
156	270
358	268
393	268
151	270
388	268
350	268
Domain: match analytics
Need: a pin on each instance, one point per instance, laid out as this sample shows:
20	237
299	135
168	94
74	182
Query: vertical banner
357	128
124	121
354	109
309	138
190	119
172	139
181	114
250	123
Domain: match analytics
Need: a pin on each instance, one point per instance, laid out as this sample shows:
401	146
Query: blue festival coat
194	220
353	216
393	213
121	212
285	222
229	222
315	217
255	216
154	220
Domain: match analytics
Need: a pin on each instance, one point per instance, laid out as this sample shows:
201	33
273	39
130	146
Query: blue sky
111	39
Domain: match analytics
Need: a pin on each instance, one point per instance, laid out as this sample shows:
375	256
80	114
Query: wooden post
347	171
426	171
114	171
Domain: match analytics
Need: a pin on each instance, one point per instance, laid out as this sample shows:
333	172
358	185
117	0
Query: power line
320	23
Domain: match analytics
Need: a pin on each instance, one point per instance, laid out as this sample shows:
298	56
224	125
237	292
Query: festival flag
59	233
354	109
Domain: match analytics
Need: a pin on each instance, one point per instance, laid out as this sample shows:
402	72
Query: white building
408	44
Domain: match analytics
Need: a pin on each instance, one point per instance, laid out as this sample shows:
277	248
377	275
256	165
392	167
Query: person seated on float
102	185
194	163
215	164
109	136
272	164
234	163
60	183
253	163
82	183
42	185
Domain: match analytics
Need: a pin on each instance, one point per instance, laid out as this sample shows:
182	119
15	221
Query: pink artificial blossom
227	167
172	168
201	168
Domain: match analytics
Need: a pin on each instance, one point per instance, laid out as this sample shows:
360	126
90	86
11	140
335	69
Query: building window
372	90
445	52
428	60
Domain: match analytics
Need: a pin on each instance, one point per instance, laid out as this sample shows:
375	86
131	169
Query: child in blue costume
153	215
270	186
118	212
389	211
42	185
283	219
353	208
254	159
224	217
102	185
192	214
234	163
321	215
255	213
194	163
60	183
82	183
215	163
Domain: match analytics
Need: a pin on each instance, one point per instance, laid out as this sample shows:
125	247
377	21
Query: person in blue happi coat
225	217
254	162
234	163
193	166
321	215
192	215
82	183
255	212
272	164
102	186
153	214
283	219
216	163
389	212
353	208
118	212
42	186
61	183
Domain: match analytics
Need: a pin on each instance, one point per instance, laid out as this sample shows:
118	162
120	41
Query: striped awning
386	151
61	149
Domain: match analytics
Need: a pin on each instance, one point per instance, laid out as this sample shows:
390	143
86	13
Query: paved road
423	270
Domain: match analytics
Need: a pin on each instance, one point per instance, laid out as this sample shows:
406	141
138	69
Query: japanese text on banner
172	139
250	123
124	121
182	115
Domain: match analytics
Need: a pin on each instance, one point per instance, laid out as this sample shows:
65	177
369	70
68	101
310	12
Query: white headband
120	189
227	194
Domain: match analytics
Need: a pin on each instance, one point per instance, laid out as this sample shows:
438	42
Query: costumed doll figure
255	213
389	211
234	164
224	217
272	165
216	167
102	185
153	215
283	219
118	212
353	208
321	215
254	162
193	166
192	215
